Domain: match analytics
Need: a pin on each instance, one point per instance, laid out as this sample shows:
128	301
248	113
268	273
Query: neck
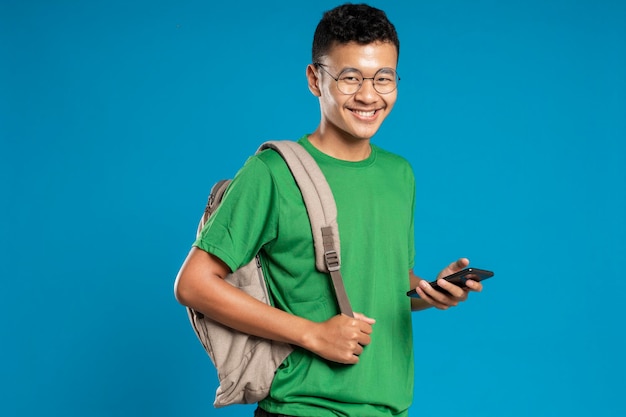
352	150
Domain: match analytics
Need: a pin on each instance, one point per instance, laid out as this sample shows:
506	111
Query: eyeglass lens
385	80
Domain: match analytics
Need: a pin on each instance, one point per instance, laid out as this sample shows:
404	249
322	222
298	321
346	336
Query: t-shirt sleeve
245	220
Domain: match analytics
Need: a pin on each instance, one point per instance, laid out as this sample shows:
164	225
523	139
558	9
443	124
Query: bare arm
200	285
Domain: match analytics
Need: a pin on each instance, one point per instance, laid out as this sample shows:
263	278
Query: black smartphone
458	278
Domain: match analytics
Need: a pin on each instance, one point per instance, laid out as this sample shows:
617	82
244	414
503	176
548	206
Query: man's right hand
341	339
200	285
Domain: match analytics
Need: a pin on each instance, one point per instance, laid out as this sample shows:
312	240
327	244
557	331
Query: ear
313	80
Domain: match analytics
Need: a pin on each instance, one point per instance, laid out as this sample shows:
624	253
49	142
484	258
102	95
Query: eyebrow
383	69
349	69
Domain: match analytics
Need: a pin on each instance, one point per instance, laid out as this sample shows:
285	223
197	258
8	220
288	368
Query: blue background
116	118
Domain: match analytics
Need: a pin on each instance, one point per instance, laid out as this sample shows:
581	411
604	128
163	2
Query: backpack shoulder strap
215	198
320	205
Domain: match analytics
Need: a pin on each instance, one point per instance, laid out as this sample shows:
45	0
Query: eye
351	77
385	76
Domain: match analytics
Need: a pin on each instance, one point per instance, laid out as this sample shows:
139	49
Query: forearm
200	286
234	308
417	304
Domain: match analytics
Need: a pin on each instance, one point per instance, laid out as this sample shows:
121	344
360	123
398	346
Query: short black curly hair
349	22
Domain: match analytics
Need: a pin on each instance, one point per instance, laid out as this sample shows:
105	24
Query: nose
367	92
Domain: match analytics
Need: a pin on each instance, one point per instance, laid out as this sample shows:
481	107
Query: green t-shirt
263	211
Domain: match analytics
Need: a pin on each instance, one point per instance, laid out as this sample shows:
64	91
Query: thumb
364	318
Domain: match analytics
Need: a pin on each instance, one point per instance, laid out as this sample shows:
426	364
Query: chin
364	130
364	134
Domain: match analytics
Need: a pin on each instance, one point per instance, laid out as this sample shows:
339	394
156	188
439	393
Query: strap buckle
332	260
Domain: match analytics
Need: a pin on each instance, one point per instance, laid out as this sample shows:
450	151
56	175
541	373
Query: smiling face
355	117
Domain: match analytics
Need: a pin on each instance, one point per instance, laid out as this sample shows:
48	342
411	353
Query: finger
454	290
459	264
349	359
431	296
362	326
366	330
474	285
364	318
455	266
364	340
450	297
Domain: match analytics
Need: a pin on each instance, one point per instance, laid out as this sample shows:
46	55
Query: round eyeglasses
350	80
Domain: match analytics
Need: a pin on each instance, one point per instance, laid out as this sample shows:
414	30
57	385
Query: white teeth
365	113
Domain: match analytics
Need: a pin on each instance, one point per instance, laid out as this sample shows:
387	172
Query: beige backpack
246	364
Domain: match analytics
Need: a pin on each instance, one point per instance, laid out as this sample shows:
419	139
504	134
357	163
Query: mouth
365	114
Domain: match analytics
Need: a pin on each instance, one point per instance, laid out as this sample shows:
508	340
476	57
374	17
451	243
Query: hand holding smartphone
458	279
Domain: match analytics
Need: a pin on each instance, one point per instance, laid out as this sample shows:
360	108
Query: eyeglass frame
397	78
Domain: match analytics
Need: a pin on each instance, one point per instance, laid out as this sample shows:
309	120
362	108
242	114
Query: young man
360	366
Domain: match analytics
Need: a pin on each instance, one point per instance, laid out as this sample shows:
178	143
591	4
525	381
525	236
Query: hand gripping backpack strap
322	211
